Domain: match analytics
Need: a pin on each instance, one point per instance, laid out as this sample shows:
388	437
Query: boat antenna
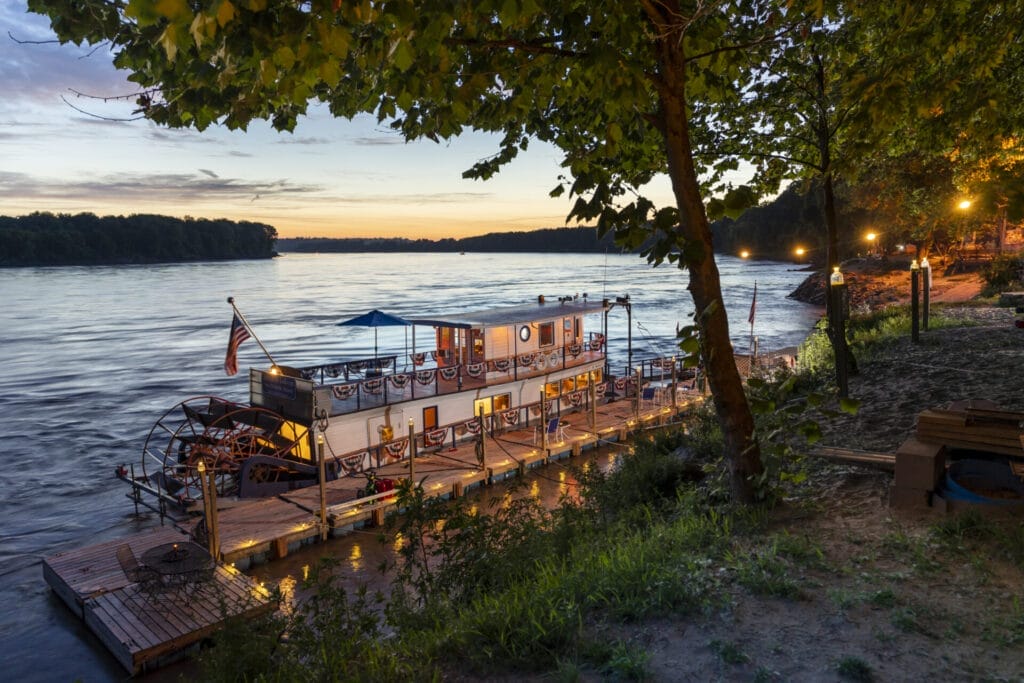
231	300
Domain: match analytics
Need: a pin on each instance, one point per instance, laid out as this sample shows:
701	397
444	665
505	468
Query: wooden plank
885	461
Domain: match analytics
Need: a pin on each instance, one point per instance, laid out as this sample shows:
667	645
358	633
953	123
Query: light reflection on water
92	357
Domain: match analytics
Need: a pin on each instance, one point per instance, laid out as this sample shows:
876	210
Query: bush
1003	273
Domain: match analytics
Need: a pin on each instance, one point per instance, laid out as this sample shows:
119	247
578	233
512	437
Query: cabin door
429	418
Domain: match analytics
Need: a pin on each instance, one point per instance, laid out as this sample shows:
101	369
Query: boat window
578	328
582	381
486	403
524	333
568	384
547	334
551	389
491	404
597	376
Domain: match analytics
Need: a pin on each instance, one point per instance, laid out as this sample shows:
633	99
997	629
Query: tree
625	91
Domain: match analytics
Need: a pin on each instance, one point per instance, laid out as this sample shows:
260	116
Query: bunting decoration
449	373
434	437
398	381
343	392
426	377
355	463
396	449
373	386
475	369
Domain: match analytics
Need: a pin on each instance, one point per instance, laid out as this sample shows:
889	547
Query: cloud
303	141
148	189
378	140
38	74
209	173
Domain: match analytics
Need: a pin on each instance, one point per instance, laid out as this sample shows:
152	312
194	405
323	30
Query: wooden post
639	392
412	452
208	482
543	421
593	404
324	527
483	441
915	286
675	375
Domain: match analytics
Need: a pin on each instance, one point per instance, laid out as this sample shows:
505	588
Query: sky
330	177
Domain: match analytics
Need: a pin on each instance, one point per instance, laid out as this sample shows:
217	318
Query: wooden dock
260	531
147	630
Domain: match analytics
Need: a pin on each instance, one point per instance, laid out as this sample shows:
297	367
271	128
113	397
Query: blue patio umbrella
375	319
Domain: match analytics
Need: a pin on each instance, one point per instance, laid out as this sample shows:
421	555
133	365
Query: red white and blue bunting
575	398
475	369
399	381
355	463
426	377
434	437
373	386
418	358
501	365
395	450
343	392
510	417
449	373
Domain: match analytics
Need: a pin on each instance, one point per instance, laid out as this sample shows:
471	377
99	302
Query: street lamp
800	251
744	254
871	237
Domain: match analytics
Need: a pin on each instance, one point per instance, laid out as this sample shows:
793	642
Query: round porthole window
524	333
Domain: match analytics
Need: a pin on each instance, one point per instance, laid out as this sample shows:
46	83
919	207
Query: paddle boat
482	371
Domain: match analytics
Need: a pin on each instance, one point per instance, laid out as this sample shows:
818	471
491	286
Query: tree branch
540	47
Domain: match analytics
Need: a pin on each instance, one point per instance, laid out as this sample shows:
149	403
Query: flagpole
231	300
753	309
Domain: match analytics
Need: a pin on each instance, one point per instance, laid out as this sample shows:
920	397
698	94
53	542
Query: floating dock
146	630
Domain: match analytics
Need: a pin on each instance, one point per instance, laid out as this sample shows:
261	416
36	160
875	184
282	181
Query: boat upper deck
540	310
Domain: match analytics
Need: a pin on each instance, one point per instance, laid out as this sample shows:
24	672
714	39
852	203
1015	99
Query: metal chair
554	429
148	579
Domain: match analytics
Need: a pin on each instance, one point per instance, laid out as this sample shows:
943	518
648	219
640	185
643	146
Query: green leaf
225	12
849	405
403	56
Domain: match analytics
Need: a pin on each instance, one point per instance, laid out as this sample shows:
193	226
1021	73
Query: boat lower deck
262	530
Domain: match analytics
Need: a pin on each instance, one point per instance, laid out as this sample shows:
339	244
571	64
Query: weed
728	651
765	573
884	598
1008	629
854	669
628	662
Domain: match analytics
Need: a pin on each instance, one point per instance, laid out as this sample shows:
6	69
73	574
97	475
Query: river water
92	357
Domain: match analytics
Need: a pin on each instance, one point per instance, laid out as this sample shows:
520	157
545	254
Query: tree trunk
840	348
734	416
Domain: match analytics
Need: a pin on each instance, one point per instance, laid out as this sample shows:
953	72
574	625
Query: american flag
753	306
239	334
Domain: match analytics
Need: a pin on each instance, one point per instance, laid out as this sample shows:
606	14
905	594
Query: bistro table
179	564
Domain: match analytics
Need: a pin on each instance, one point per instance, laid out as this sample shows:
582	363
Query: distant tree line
577	240
46	239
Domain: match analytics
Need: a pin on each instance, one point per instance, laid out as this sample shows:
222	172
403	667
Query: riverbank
882	595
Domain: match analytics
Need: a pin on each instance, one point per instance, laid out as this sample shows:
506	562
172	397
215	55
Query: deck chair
148	579
554	428
649	395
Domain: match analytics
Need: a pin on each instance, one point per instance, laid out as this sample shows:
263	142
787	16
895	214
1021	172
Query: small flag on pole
753	306
239	334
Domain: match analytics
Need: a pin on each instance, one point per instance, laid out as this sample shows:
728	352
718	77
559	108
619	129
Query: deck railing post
412	452
483	441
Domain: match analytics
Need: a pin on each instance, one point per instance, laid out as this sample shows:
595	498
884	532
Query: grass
854	669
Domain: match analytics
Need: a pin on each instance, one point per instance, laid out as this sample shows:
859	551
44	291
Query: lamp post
837	329
871	237
926	288
915	285
800	252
